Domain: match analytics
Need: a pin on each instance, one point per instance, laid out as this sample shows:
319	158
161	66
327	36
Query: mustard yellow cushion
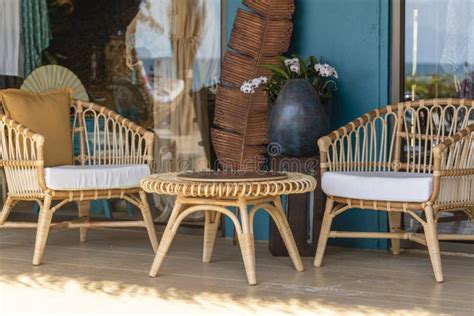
46	114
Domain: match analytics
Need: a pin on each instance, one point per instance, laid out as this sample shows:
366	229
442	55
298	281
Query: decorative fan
55	77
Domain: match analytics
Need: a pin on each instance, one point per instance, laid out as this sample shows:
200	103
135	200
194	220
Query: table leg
282	224
148	219
247	244
211	225
166	239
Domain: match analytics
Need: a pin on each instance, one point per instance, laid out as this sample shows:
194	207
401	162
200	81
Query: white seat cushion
379	186
74	178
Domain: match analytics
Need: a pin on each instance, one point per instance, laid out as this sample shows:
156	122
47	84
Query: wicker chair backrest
398	137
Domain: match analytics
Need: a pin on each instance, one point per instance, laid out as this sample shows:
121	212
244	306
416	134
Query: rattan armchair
111	141
400	146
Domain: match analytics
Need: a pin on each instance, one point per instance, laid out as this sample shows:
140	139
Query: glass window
155	62
439	49
439	63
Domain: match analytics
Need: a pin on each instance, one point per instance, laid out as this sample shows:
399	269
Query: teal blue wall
353	36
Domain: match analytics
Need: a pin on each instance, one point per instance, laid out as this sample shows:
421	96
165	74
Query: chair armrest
118	141
453	167
450	141
22	156
446	150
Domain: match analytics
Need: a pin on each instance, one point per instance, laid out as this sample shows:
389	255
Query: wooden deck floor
109	275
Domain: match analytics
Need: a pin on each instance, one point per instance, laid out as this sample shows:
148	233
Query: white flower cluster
294	64
325	70
249	87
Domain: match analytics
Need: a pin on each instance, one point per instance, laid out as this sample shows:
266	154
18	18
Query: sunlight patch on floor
37	293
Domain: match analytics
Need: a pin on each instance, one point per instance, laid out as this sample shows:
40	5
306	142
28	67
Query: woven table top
173	184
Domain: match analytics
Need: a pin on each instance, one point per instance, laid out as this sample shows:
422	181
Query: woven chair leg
148	218
431	235
395	222
287	235
7	208
247	244
211	226
44	223
324	234
83	209
165	242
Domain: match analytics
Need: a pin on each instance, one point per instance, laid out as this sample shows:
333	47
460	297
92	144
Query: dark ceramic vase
297	120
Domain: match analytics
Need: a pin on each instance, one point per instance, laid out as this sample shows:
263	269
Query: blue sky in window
445	33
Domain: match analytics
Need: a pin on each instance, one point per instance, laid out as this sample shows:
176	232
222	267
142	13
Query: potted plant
300	91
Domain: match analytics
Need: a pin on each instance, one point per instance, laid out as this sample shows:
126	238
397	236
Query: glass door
439	63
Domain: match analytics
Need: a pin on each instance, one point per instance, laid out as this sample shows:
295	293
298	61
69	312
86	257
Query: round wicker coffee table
213	194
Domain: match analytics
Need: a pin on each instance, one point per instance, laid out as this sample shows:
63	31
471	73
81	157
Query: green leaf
304	68
326	85
281	59
276	70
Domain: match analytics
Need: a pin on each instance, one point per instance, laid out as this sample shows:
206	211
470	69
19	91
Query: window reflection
153	61
439	63
439	49
173	50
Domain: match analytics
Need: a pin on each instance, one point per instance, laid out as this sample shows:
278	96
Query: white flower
326	70
256	82
292	61
247	88
294	64
295	68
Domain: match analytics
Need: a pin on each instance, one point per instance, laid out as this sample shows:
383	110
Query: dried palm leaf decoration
239	135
